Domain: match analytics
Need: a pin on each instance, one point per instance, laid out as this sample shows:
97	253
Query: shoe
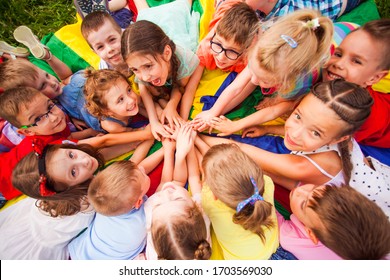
13	51
85	7
24	35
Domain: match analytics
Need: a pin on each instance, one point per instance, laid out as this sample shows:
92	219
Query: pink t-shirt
294	238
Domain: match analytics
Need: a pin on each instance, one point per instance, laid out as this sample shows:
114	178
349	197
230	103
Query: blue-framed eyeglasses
42	117
217	48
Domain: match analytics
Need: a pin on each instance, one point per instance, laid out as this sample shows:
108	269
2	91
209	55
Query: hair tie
254	197
40	151
313	24
293	44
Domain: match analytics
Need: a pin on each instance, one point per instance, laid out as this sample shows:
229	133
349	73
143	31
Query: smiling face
150	70
312	125
71	167
168	202
355	60
220	44
299	202
46	83
121	100
106	42
45	122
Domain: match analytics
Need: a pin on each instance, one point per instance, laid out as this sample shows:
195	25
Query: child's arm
115	5
60	68
156	126
188	96
170	111
194	180
151	162
169	161
83	134
111	139
235	93
113	127
260	130
227	127
142	151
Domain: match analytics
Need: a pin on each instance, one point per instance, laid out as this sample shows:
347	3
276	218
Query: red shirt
10	159
376	129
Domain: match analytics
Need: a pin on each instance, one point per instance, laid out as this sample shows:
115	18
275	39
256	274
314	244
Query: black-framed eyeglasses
42	117
217	48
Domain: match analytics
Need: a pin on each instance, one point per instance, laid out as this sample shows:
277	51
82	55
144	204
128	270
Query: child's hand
159	130
172	117
200	125
79	124
169	144
254	131
185	140
224	125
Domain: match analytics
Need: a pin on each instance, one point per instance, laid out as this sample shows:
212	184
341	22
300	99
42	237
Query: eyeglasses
217	48
43	117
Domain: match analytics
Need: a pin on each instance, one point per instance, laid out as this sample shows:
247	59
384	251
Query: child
239	202
277	8
177	229
319	134
232	29
109	97
346	222
118	9
354	61
103	35
294	46
162	70
118	230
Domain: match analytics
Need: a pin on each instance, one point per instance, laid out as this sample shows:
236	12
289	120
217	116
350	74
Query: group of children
215	198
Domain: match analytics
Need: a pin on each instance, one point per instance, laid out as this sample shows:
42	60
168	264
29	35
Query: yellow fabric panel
208	11
383	85
71	35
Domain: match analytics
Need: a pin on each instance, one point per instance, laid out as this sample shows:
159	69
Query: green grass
45	16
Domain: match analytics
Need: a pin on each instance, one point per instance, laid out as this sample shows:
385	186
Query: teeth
333	76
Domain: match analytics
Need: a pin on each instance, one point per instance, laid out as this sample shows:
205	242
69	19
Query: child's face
299	201
106	43
150	70
260	76
42	117
225	51
121	100
312	125
71	166
355	60
171	200
47	84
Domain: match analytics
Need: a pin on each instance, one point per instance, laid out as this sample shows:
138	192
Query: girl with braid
319	134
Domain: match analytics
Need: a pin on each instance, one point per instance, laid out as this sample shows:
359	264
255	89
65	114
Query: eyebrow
33	115
314	126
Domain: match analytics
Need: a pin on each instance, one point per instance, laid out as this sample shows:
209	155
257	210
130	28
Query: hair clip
313	24
43	190
293	44
254	197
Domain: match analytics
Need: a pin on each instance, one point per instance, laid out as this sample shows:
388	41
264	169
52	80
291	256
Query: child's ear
346	137
25	131
376	77
167	53
139	203
312	236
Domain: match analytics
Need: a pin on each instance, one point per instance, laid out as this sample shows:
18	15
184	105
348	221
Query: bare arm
188	96
141	151
83	134
115	5
151	162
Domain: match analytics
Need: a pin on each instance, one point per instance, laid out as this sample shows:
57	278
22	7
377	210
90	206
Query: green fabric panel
282	210
365	12
62	52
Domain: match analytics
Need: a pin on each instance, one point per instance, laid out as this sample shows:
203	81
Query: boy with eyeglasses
232	30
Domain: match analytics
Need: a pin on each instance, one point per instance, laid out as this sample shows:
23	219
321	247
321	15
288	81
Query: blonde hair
183	237
17	73
14	101
116	189
98	83
276	55
228	172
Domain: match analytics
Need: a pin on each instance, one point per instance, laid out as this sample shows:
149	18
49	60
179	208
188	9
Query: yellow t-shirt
231	241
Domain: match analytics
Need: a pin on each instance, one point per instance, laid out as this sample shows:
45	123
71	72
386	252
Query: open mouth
156	82
334	76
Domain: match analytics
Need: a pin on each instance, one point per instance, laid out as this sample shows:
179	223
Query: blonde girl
319	134
109	98
162	70
294	46
238	199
